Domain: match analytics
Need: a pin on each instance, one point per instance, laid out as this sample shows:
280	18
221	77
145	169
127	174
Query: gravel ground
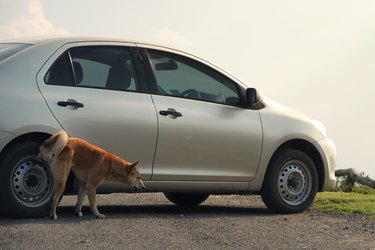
149	221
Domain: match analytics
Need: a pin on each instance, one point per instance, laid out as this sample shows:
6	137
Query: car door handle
170	112
70	102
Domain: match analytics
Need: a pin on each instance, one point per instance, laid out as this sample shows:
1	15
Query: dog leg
80	199
60	172
91	193
59	189
52	214
55	199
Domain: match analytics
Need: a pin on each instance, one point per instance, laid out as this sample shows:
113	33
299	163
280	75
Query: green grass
340	202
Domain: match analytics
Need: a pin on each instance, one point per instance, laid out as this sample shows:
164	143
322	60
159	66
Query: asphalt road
149	221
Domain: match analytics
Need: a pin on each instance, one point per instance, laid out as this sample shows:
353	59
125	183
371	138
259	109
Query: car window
183	77
109	67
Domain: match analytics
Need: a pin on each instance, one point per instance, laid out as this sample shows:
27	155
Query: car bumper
327	150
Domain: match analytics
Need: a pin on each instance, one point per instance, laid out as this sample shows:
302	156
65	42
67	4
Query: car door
204	133
93	90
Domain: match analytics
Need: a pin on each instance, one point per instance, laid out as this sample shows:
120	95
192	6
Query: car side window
183	77
109	67
61	72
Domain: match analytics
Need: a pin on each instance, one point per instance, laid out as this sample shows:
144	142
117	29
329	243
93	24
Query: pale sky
314	56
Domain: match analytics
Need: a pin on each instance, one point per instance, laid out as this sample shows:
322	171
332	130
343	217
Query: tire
186	199
291	182
26	185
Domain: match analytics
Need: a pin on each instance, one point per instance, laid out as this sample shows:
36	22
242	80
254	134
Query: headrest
119	78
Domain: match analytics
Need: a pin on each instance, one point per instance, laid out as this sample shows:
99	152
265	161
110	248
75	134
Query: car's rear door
204	133
93	90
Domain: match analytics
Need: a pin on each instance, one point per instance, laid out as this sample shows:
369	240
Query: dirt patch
144	221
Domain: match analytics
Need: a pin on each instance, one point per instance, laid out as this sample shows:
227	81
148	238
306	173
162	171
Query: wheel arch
33	137
38	137
309	149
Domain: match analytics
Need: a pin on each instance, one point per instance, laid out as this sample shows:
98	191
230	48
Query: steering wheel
191	93
221	98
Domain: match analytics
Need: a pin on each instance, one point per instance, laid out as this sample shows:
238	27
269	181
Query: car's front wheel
186	199
26	185
291	182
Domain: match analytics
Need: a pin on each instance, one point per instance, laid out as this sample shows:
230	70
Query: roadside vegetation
347	198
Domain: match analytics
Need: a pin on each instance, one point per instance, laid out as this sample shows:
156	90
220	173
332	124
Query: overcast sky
315	56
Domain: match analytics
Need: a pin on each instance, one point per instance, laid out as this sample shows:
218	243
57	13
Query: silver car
196	129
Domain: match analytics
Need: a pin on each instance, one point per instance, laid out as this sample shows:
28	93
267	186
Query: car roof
61	40
73	39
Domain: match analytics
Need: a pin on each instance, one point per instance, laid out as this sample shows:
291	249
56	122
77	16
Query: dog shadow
165	211
173	210
138	206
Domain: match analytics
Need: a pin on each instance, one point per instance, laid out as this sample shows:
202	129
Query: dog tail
58	141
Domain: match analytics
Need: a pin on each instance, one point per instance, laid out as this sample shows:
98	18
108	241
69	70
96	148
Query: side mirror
252	96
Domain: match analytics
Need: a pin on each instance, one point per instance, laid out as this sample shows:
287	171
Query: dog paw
79	214
53	217
100	216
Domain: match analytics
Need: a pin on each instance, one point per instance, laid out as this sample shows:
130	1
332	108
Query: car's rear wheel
186	199
291	182
26	185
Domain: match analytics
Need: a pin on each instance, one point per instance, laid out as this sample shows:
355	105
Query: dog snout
139	186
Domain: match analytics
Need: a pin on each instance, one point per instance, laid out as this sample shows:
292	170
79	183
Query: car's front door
93	91
204	133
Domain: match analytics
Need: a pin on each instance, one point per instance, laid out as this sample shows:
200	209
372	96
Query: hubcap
32	183
294	183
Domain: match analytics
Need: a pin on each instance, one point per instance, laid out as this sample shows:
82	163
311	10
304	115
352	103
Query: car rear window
9	49
105	67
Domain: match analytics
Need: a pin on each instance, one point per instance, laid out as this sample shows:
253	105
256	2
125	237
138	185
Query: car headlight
320	127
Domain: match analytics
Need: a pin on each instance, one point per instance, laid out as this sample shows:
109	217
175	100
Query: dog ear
133	166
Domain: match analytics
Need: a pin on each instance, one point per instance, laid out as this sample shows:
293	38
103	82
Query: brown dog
90	164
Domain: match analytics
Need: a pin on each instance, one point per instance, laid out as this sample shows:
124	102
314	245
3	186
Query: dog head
134	177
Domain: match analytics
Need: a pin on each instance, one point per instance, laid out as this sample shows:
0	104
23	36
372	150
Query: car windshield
9	49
